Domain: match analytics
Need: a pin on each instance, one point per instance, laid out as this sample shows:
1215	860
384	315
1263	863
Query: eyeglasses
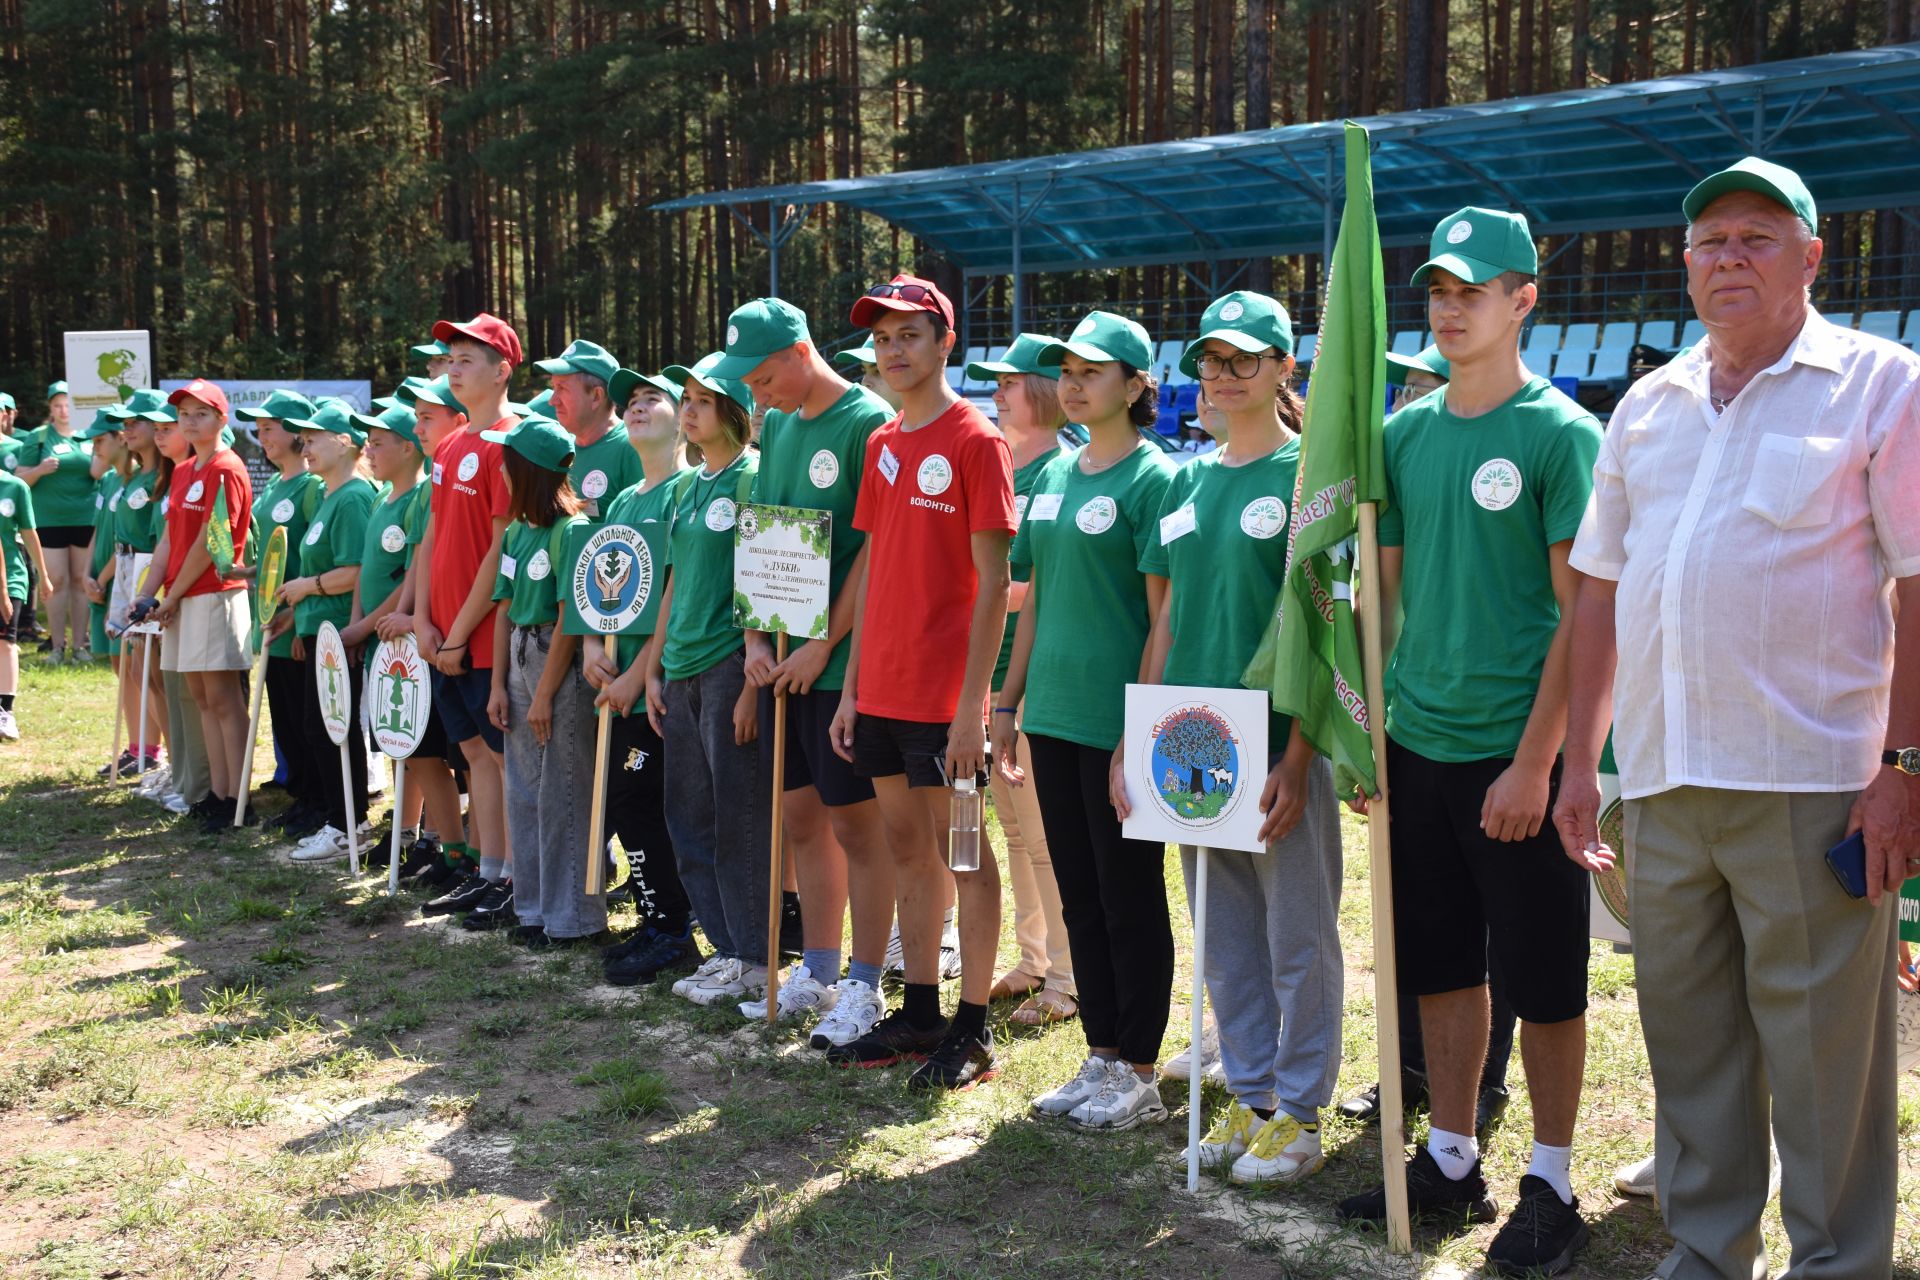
1241	365
917	294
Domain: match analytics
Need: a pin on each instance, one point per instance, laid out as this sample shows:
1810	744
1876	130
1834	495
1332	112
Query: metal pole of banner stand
119	715
146	674
1196	1064
399	800
597	823
775	877
346	794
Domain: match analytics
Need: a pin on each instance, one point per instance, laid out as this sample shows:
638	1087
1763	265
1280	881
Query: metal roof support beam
783	222
1017	218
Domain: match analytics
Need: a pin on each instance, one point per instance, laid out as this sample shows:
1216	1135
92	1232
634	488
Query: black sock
1265	1113
6	702
922	1004
971	1018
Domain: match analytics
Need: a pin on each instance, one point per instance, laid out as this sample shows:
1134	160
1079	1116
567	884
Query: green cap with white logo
56	388
582	356
1103	336
1776	182
706	373
625	382
1022	357
335	417
281	406
1478	244
541	441
149	405
1243	320
436	392
757	330
398	419
426	351
854	357
6	401
1428	361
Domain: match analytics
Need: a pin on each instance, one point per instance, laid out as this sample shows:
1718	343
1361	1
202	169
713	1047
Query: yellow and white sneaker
1283	1151
1232	1133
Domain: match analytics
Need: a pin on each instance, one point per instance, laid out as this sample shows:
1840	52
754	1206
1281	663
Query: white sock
1555	1164
1455	1153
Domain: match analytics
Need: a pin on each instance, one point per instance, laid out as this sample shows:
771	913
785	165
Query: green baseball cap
56	389
105	422
429	350
757	330
1428	361
1102	336
281	405
856	356
335	417
1022	357
1776	182
437	392
384	403
227	437
624	382
150	405
397	418
541	406
1479	244
6	401
582	356
1243	320
704	373
541	441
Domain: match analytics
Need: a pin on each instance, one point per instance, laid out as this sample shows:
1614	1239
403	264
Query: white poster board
399	697
1607	916
104	367
330	675
1196	760
782	570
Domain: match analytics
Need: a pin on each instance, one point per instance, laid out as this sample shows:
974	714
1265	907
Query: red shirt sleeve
494	476
989	481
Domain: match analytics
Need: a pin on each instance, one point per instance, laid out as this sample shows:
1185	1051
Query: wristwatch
1906	759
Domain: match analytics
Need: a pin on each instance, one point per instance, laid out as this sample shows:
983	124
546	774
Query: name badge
1045	506
507	565
1177	525
889	465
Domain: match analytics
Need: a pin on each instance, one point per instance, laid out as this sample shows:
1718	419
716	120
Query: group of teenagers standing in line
992	594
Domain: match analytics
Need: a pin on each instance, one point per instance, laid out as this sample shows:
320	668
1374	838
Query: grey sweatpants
186	741
1274	968
719	810
550	794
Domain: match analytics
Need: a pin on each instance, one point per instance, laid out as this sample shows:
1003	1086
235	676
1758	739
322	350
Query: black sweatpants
325	756
1113	894
289	683
636	813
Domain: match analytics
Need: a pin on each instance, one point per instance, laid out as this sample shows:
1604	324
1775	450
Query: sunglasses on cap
914	294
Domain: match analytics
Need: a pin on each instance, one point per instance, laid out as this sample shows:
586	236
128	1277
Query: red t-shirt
190	498
923	496
469	492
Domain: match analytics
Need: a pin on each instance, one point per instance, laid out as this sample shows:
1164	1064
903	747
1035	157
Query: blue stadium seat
1408	342
1658	333
1609	363
1305	344
1581	337
1572	364
1692	332
1541	343
1881	324
1618	335
1911	333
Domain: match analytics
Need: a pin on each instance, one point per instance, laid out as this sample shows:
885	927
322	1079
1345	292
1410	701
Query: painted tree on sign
1196	742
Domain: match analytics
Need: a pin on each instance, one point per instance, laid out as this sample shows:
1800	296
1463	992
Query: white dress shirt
1755	551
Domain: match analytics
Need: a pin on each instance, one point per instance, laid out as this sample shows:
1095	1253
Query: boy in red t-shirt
936	504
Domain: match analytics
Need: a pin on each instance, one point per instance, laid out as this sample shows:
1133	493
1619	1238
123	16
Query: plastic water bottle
963	832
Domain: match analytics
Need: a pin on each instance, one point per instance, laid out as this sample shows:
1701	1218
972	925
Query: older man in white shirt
1756	510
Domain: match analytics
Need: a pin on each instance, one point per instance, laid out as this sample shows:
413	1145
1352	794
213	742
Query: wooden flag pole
1196	1061
346	794
146	674
257	697
597	821
399	800
1386	977
119	716
775	878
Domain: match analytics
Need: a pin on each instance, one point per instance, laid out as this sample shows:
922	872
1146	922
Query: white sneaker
799	993
729	982
1232	1133
1635	1179
1283	1151
156	785
1180	1065
856	1008
1088	1081
949	951
324	845
707	969
1125	1100
175	802
8	729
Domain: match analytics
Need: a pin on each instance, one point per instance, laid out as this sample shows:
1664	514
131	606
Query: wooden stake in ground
597	823
399	701
1196	1063
775	873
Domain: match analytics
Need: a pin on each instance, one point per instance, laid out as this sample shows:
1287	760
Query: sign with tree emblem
782	570
613	588
1195	762
104	367
330	677
399	697
273	571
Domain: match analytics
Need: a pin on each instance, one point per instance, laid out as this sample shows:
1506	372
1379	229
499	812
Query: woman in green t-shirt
58	467
136	528
109	457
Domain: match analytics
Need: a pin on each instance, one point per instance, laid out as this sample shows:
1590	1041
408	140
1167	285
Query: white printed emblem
313	534
539	566
392	538
113	503
594	485
720	515
1232	311
199	487
1097	515
469	466
1263	517
138	500
1019	507
6	507
99	501
824	469
733	334
1459	231
1496	485
283	511
165	502
936	474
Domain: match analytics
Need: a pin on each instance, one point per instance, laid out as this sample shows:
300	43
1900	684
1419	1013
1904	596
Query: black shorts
10	629
55	537
884	747
1458	891
460	705
811	760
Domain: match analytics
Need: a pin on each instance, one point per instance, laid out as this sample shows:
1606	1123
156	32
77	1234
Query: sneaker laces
1533	1215
1118	1083
1275	1136
1236	1121
726	973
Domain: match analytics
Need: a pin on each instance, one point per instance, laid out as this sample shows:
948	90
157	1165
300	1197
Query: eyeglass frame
1227	365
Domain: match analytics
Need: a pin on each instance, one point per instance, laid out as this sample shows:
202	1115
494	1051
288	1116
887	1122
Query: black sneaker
493	910
298	821
547	942
1364	1106
418	856
1540	1236
664	953
893	1039
464	896
209	813
1492	1105
125	767
633	944
961	1062
443	875
1429	1191
527	935
792	932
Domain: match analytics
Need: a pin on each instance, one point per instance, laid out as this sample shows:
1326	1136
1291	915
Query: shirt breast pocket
1796	479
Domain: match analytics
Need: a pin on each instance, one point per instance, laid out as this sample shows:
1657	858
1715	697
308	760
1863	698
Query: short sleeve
1600	548
1566	478
864	513
413	520
1392	526
503	577
348	536
1153	556
239	490
1020	554
1143	509
989	481
494	476
1893	481
24	518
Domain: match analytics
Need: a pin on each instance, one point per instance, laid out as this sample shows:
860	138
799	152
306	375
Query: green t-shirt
136	520
1476	502
10	447
1024	478
604	468
634	506
1086	533
63	497
1222	545
336	536
530	574
817	463
394	529
289	503
16	513
700	630
106	500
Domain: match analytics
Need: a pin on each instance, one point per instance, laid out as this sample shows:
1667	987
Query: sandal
1044	1006
1014	984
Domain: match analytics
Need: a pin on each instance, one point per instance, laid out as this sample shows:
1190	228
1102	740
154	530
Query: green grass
221	1064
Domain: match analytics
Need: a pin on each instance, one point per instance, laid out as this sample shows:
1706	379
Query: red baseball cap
205	392
490	329
902	293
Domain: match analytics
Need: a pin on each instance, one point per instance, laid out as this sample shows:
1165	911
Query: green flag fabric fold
220	534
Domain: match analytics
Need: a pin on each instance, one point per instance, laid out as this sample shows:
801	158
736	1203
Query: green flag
220	534
1309	660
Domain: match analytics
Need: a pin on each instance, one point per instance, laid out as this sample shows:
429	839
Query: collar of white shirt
1817	345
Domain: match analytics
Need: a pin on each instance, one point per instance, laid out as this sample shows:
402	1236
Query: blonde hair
1043	401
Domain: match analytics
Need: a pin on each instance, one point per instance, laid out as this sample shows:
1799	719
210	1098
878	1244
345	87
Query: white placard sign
330	675
104	367
1196	760
783	570
1607	915
399	697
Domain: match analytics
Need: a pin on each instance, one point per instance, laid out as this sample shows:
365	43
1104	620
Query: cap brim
1058	351
1472	270
737	367
1190	358
498	437
869	308
1715	185
985	369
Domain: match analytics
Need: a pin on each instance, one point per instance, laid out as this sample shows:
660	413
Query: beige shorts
211	634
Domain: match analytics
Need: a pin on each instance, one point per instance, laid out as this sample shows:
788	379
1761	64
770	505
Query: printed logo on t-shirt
113	503
438	471
936	474
313	534
13	463
99	501
1459	231
138	500
594	484
7	508
539	566
1019	507
1097	515
392	538
199	487
824	469
1263	517
720	515
1496	485
889	465
469	466
283	511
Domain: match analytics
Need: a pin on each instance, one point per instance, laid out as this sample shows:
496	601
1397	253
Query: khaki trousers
1762	984
1039	926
